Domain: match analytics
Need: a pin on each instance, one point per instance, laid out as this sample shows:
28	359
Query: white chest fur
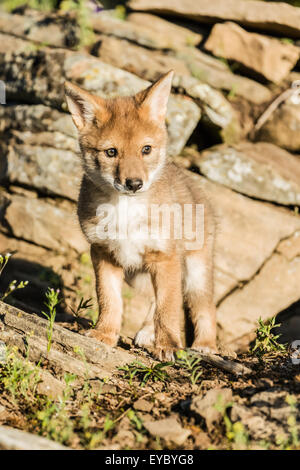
124	226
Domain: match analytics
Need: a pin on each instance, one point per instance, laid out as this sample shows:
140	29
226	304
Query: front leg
109	278
166	277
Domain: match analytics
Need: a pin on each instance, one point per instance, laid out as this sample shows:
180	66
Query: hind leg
145	336
198	291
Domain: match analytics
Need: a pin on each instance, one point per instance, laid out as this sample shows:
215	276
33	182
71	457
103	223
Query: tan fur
178	274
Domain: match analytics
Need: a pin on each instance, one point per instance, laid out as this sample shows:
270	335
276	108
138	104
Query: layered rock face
228	71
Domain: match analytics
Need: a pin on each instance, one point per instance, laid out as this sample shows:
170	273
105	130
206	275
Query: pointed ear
82	105
155	98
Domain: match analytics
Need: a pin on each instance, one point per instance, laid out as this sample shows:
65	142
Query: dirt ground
217	411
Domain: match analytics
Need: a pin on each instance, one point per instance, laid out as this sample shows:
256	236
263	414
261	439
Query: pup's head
122	140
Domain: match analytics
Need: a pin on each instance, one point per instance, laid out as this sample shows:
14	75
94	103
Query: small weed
266	341
286	40
3	261
232	93
83	305
54	420
85	259
145	373
292	442
137	424
235	432
51	303
191	363
14	285
120	12
19	377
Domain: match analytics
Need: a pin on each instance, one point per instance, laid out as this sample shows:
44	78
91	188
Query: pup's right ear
82	105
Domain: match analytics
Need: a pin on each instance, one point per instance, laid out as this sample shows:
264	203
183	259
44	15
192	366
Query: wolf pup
123	145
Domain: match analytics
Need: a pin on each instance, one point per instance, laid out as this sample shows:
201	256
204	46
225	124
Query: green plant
191	363
83	305
292	441
54	419
86	384
51	303
266	341
83	16
19	377
120	12
287	41
155	372
137	424
232	93
235	432
14	285
45	5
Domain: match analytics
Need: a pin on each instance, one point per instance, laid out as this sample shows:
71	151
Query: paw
166	352
111	340
211	349
145	337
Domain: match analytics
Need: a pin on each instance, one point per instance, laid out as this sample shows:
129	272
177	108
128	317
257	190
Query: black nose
133	184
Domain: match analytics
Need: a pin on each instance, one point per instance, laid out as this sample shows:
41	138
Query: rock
177	36
125	438
46	72
50	170
215	73
290	248
49	385
146	63
269	57
273	289
43	223
259	170
224	284
283	127
12	44
57	30
258	281
100	360
240	253
146	30
14	439
143	405
39	124
205	407
274	17
272	403
169	429
202	441
255	423
150	64
4	415
217	110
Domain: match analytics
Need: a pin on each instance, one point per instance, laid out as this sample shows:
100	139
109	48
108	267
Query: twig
294	90
223	364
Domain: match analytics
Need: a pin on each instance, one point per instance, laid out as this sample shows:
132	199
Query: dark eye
111	152
147	149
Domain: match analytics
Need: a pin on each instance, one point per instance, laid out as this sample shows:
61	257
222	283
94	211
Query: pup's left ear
155	98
